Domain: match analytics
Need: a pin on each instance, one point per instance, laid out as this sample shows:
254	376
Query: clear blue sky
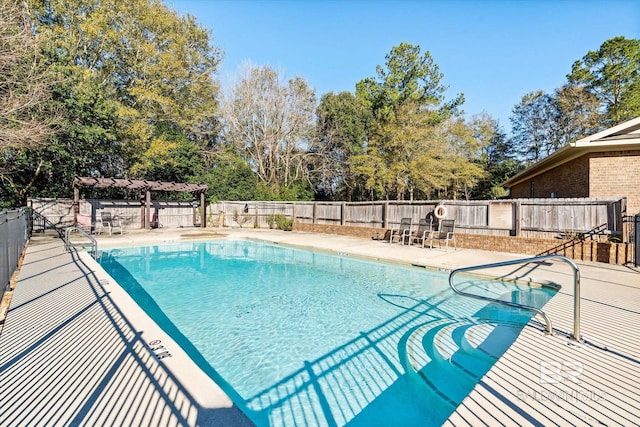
491	51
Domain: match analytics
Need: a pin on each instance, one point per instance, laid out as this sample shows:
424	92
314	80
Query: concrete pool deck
76	350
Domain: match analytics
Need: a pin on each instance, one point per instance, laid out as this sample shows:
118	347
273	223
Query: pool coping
512	391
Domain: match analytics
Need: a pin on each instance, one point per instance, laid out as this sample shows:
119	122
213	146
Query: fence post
385	211
343	213
203	211
518	225
147	212
76	205
315	212
257	221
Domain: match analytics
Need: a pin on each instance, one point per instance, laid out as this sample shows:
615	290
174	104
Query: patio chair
425	228
445	232
84	222
106	221
403	231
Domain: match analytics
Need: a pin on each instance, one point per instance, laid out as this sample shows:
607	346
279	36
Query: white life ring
440	211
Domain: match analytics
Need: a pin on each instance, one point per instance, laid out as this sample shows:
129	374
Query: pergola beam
142	185
133	184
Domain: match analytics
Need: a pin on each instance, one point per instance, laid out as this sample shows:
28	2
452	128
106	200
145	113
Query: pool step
491	340
461	345
451	356
427	370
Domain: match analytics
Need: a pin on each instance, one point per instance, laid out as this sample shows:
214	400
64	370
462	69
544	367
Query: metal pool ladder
549	330
93	243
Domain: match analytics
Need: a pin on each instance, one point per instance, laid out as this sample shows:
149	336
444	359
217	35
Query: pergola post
142	209
76	205
147	211
139	185
203	211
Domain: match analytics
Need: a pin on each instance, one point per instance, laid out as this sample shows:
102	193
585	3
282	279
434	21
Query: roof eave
566	154
629	124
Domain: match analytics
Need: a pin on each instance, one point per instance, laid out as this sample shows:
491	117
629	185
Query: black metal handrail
14	234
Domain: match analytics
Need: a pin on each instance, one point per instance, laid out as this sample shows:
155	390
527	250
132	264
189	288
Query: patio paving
77	350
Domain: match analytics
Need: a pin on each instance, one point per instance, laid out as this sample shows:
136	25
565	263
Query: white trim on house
630	128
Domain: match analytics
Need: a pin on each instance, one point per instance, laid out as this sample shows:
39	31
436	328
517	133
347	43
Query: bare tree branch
24	81
269	122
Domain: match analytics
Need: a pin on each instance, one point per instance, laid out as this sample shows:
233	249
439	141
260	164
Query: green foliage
342	124
284	223
296	190
533	123
612	75
603	90
577	114
499	163
26	121
230	178
464	154
408	78
134	68
128	88
407	153
271	221
170	158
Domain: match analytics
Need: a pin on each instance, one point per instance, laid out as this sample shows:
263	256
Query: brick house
606	164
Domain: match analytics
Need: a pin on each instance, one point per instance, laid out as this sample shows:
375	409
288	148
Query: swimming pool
307	338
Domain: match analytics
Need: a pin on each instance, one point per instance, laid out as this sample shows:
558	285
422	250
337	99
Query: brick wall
612	253
606	175
616	173
569	180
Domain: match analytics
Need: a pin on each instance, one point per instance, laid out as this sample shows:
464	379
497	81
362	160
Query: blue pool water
306	338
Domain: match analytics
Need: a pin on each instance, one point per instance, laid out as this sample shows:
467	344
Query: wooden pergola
139	185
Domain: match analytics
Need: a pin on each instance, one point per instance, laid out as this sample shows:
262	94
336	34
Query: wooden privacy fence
516	217
543	218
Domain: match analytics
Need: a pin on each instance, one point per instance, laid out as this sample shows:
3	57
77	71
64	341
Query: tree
407	103
229	177
466	140
533	122
500	163
409	78
170	159
112	76
156	66
25	81
576	114
399	158
342	123
26	121
612	75
271	124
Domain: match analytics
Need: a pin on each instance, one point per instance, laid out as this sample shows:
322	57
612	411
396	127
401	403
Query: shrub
284	223
239	218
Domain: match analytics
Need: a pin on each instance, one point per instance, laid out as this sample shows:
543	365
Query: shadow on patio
71	357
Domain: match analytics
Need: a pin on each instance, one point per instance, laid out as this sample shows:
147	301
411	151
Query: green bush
284	223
